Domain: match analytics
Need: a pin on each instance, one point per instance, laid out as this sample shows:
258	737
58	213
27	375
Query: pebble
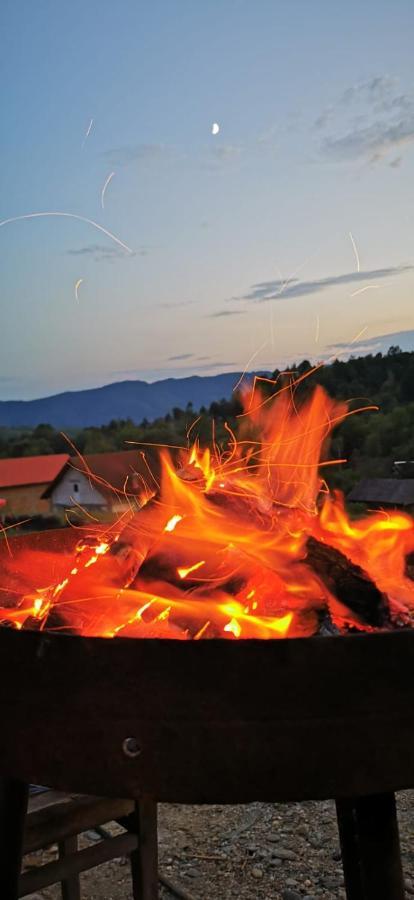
257	873
283	853
192	873
291	895
409	885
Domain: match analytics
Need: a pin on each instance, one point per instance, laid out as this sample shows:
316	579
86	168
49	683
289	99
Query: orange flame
237	565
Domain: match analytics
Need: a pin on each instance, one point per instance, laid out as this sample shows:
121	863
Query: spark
67	215
184	572
317	329
360	333
88	131
354	246
234	627
102	548
77	286
171	524
249	362
215	128
368	287
202	631
103	192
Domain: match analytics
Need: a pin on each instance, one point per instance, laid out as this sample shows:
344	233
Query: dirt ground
256	852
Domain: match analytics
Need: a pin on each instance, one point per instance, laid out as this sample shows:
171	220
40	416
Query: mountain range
135	400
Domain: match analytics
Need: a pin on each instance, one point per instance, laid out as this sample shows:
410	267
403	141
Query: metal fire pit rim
313	640
216	721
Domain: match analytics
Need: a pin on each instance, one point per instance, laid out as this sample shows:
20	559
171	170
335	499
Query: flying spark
317	329
368	287
67	215
356	252
88	131
215	128
249	362
103	192
77	286
359	335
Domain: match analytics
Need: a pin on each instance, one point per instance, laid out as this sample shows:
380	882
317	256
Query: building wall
25	500
75	487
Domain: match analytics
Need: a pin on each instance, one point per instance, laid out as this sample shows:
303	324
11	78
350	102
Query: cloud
381	342
281	290
227	152
395	163
214	365
378	89
374	140
222	156
101	252
180	356
176	304
137	153
369	120
223	313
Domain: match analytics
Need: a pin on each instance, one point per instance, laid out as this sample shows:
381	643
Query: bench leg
70	885
144	860
13	807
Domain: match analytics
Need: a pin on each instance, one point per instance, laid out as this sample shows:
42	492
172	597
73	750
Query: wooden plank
214	721
36	879
68	815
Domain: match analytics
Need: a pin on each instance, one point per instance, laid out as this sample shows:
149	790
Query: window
75	488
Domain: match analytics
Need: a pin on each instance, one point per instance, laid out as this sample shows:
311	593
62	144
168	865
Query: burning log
350	584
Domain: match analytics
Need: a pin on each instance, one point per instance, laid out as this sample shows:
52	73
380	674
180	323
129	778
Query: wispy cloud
220	158
180	356
227	152
100	252
175	304
369	120
281	290
224	313
374	140
137	153
380	342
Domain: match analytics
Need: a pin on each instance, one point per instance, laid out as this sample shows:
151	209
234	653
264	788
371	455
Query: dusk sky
250	247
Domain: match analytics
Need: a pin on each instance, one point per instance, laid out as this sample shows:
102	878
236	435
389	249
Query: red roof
31	470
115	470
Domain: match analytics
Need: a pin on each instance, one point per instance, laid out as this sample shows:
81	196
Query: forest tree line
370	441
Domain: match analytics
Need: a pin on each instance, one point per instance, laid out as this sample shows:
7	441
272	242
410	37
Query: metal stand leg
144	860
71	885
368	832
13	808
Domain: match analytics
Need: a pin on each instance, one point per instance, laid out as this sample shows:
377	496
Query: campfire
241	541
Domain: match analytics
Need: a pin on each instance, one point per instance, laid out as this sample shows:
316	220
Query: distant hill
126	399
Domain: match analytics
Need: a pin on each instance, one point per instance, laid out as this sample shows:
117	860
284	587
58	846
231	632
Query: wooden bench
57	818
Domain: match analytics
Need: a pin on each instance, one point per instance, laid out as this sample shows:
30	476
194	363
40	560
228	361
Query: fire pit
204	720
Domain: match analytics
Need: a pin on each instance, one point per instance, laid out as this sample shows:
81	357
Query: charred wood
349	583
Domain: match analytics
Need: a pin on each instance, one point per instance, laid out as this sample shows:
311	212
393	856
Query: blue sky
240	240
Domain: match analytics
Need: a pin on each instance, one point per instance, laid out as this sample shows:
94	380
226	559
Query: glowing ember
263	550
171	524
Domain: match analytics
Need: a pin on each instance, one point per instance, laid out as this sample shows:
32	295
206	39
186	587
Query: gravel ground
256	852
